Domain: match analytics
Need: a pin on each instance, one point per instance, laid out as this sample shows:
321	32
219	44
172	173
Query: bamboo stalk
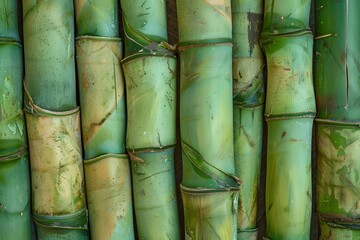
56	163
248	92
144	25
209	213
290	109
108	187
150	84
15	216
12	125
206	120
101	87
337	127
155	194
97	18
49	53
9	20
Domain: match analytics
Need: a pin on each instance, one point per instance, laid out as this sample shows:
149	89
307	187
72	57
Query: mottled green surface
204	21
209	213
108	191
288	179
15	215
151	101
102	95
337	57
206	114
144	24
97	18
49	53
155	205
57	175
337	232
12	125
286	16
9	19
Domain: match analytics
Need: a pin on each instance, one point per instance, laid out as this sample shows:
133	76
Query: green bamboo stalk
9	20
337	55
206	116
337	87
154	191
56	162
151	135
97	18
211	19
12	125
65	227
49	53
108	187
248	92
15	214
290	109
144	24
248	132
217	210
286	17
102	95
288	179
150	84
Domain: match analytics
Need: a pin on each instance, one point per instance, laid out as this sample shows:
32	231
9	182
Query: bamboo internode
337	127
9	20
289	111
101	87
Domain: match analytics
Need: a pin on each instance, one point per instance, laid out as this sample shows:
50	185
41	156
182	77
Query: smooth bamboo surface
15	203
97	18
9	20
108	189
155	204
49	53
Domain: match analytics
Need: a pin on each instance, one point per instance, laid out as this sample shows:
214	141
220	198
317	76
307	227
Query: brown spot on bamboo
283	134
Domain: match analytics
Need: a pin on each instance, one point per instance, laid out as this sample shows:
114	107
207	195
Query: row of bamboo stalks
107	171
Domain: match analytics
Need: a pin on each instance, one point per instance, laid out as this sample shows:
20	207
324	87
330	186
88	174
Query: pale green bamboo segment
56	162
108	191
9	19
204	21
151	101
288	179
97	18
102	95
248	59
49	53
12	125
338	169
286	16
155	205
206	115
336	232
248	136
337	57
210	214
144	23
289	84
66	227
15	217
